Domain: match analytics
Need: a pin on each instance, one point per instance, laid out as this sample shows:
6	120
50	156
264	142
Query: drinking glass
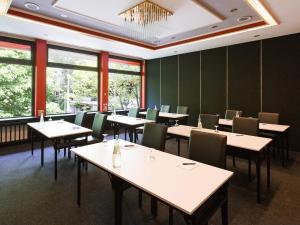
176	124
216	126
104	138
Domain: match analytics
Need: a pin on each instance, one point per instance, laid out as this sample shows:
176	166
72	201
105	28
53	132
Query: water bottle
155	107
116	158
199	123
42	120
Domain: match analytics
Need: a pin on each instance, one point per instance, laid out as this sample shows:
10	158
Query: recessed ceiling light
32	6
173	37
257	35
214	27
155	42
46	35
233	10
64	15
244	19
175	51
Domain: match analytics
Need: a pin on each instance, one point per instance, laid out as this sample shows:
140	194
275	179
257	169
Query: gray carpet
30	196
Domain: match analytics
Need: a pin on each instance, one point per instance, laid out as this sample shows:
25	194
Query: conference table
245	146
129	122
175	116
195	190
280	130
55	131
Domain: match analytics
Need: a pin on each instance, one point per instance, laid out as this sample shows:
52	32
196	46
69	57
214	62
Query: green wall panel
153	82
244	78
169	82
213	81
189	84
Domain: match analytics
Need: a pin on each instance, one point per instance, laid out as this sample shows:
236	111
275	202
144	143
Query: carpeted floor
30	196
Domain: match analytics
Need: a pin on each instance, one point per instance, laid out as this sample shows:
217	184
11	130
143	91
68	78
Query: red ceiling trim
62	24
4	44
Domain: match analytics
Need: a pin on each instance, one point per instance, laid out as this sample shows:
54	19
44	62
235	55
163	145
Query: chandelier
4	5
145	13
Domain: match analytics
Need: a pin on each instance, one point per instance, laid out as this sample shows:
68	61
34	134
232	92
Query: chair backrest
245	125
98	125
182	110
208	148
209	121
165	108
133	112
154	136
80	118
152	114
230	114
272	118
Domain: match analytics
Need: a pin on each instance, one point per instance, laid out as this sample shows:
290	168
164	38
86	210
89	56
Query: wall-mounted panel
169	82
153	82
189	84
213	81
281	79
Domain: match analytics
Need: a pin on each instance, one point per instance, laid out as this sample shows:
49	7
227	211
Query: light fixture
145	13
233	10
4	6
214	27
262	11
63	15
257	35
31	6
244	19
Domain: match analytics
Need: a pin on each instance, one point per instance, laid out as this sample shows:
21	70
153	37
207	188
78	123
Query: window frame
75	67
25	62
127	72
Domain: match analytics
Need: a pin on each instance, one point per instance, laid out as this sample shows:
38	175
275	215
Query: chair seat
82	140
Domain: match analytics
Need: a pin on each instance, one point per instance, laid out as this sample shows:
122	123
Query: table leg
224	210
78	180
130	133
249	170
55	163
287	145
154	206
258	163
178	146
282	150
170	215
32	141
268	168
42	152
118	192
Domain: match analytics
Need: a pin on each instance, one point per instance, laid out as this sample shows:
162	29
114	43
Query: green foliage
15	86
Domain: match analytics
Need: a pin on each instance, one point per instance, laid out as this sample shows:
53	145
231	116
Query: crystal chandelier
145	13
4	5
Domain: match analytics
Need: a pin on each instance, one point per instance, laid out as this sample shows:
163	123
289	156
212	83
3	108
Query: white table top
248	142
262	126
160	174
168	115
58	128
127	120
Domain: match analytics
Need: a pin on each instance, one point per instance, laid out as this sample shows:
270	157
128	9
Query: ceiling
195	25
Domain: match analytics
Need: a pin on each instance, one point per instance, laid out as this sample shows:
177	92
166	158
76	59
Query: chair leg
125	134
69	153
140	199
233	161
170	215
65	151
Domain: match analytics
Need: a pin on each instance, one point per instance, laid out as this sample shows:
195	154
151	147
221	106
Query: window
72	81
16	75
124	84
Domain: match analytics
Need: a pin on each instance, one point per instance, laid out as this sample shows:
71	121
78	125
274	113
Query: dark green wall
252	77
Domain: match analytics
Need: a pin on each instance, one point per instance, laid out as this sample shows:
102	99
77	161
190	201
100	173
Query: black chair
208	148
133	112
248	126
81	118
209	121
230	114
96	136
152	114
154	136
165	108
271	118
182	110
